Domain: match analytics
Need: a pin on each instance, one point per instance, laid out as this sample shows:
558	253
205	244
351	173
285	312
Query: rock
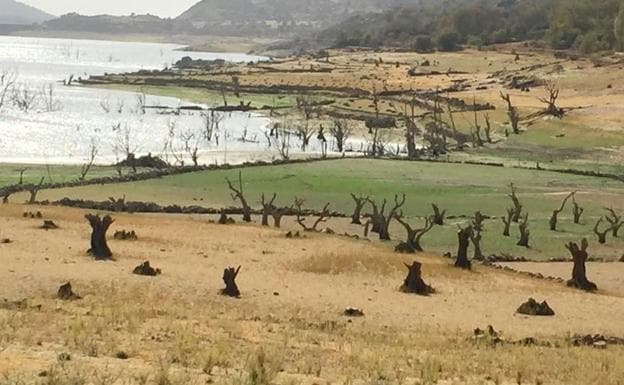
49	225
5	241
353	312
124	235
533	308
146	270
121	355
66	293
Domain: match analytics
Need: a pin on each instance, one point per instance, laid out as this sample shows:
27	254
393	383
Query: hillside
14	12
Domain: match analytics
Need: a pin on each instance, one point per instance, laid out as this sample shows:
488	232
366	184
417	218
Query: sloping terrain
14	12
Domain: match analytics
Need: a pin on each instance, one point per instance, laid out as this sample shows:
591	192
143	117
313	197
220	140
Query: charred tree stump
438	215
66	293
238	194
525	233
412	244
267	209
579	272
555	215
99	226
360	202
463	236
507	222
517	210
414	283
602	234
577	211
229	278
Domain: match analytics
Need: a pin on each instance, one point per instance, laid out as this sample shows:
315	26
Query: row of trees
586	25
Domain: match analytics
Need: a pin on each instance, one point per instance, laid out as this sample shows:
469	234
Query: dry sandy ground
294	291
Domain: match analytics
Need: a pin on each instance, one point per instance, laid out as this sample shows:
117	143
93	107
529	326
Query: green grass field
461	189
10	173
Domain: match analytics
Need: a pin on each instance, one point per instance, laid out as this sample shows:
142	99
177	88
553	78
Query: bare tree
412	244
124	144
411	129
488	129
553	218
86	167
24	98
463	237
475	234
141	102
517	209
512	113
33	189
476	133
190	142
105	104
615	221
341	131
212	119
381	221
507	222
7	81
280	140
551	100
239	194
49	99
324	215
267	208
602	234
525	233
305	133
360	202
577	211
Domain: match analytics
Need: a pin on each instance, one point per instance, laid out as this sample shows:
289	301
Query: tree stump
507	222
229	278
463	236
438	215
99	226
146	269
577	211
414	283
66	294
525	233
534	308
579	272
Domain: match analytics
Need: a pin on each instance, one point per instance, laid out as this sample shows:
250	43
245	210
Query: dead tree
324	215
413	282
525	233
438	216
602	234
238	194
507	222
267	209
551	101
229	278
579	272
86	167
476	134
517	209
341	131
463	237
33	189
412	244
381	221
615	221
360	202
555	215
99	226
475	235
512	113
488	129
577	211
277	214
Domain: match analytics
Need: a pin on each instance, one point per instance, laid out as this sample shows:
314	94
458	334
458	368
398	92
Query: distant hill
13	12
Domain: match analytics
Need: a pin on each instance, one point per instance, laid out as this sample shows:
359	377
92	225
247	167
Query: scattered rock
49	225
64	357
5	241
597	340
121	355
66	293
32	215
534	308
146	269
353	312
124	235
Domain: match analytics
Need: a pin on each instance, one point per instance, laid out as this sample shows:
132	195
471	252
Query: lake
64	128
